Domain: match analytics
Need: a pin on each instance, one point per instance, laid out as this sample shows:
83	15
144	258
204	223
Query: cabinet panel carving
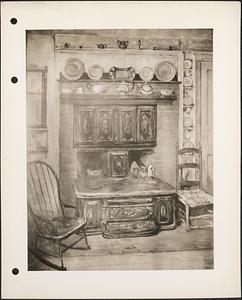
92	213
119	164
83	125
104	125
130	213
127	124
114	125
165	210
130	226
128	216
146	123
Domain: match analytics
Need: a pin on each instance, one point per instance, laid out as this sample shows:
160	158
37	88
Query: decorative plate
73	69
146	73
187	64
188	91
95	72
187	81
188	73
187	122
187	109
188	100
187	134
165	71
188	144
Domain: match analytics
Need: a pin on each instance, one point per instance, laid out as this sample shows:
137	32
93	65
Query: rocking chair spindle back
43	190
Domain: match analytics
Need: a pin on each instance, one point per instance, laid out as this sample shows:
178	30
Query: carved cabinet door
92	215
119	165
165	213
127	127
83	125
105	125
146	124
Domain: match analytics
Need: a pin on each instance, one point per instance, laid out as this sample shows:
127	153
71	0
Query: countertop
106	187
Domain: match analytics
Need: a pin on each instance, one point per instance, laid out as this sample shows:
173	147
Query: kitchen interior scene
120	149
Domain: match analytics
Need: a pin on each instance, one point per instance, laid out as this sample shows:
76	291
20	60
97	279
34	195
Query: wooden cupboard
128	207
114	125
125	217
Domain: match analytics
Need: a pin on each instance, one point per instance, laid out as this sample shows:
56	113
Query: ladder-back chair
48	211
189	172
195	207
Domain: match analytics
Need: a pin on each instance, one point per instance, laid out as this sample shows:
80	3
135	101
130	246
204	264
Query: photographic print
120	149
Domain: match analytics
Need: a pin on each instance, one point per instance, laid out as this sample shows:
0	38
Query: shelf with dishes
106	78
64	43
74	69
112	99
109	50
117	90
76	82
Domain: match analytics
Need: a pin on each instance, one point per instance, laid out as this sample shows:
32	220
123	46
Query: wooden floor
169	250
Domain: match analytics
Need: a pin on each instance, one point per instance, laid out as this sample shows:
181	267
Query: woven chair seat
195	197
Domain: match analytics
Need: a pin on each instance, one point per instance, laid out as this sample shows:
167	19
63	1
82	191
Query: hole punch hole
13	21
15	271
14	79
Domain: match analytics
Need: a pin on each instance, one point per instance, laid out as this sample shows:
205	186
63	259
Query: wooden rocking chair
47	209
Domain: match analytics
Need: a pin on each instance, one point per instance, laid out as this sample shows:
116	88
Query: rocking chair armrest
44	221
67	205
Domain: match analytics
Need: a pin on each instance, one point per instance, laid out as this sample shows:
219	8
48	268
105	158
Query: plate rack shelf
111	90
112	99
106	78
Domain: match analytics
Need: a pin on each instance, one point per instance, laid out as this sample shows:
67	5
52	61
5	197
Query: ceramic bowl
124	87
167	92
97	88
145	89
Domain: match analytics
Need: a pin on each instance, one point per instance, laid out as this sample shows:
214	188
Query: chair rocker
48	212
